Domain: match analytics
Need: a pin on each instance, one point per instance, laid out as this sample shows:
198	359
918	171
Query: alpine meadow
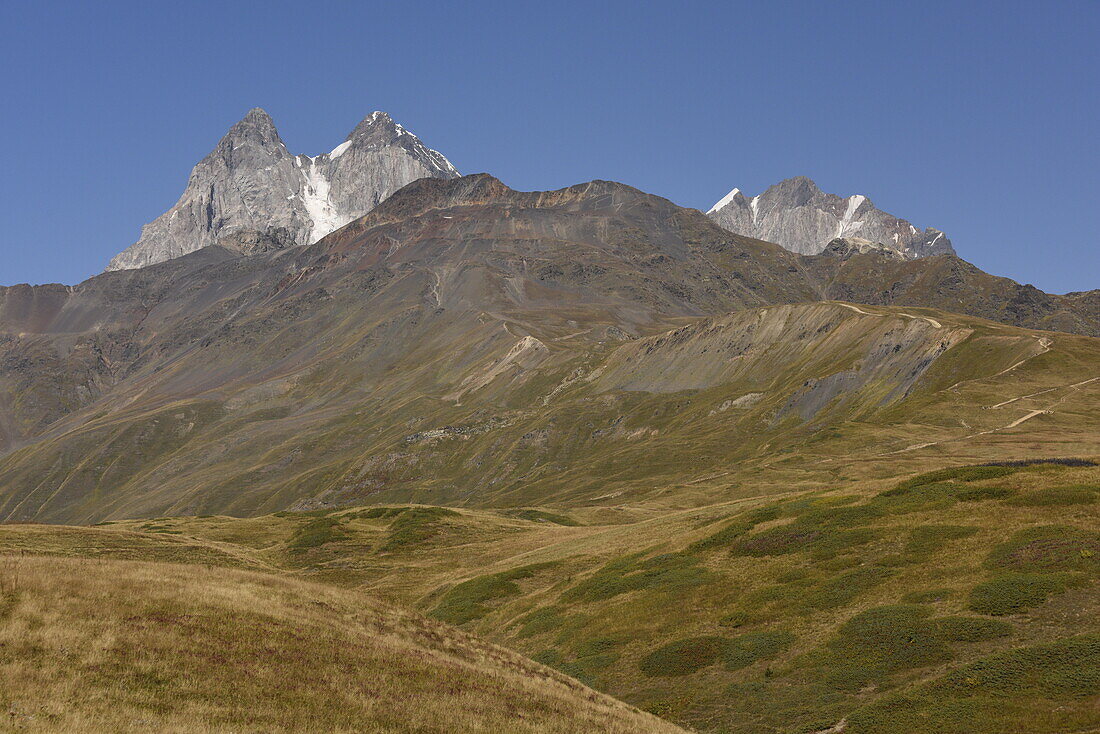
360	442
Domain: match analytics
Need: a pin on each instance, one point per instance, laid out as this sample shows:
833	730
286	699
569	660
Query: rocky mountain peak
795	191
374	123
251	182
798	215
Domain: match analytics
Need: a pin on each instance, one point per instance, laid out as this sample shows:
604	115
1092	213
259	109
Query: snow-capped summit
802	218
251	182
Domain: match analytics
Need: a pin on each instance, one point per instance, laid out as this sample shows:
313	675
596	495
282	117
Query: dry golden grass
120	646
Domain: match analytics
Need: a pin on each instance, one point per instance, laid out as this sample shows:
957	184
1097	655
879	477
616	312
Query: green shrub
380	512
836	542
845	516
795	575
1056	497
971	629
541	621
666	572
682	657
881	641
723	537
1068	668
778	541
1018	591
840	590
582	668
1048	548
414	526
927	539
316	533
978	494
599	646
739	618
959	474
1037	685
541	516
744	650
736	529
823	542
466	601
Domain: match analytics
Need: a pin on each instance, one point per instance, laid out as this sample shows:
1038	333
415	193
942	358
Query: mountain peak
798	215
797	190
376	124
256	125
251	182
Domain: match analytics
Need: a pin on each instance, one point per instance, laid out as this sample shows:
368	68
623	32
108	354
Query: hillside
113	645
467	344
962	599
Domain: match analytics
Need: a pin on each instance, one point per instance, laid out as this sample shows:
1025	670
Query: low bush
1056	497
682	657
744	650
466	601
1016	592
1068	668
822	542
1039	685
979	494
840	590
881	641
1048	548
736	529
1039	462
316	533
956	474
666	572
541	516
414	526
541	621
971	629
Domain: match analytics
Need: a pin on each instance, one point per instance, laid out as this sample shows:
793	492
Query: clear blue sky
979	118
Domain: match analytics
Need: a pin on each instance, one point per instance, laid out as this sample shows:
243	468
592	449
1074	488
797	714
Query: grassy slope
888	604
593	422
114	645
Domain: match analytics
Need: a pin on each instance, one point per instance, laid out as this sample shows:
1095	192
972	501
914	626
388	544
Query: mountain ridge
463	310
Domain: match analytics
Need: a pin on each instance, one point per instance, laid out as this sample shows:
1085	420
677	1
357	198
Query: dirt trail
857	309
1048	410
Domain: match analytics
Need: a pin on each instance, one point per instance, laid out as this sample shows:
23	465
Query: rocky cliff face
802	218
251	182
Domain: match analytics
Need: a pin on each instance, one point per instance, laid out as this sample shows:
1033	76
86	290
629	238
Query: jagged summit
798	215
250	182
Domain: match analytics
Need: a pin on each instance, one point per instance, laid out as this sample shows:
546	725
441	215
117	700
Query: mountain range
221	382
791	465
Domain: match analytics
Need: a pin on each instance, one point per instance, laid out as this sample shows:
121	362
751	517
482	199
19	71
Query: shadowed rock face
798	215
251	182
457	310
